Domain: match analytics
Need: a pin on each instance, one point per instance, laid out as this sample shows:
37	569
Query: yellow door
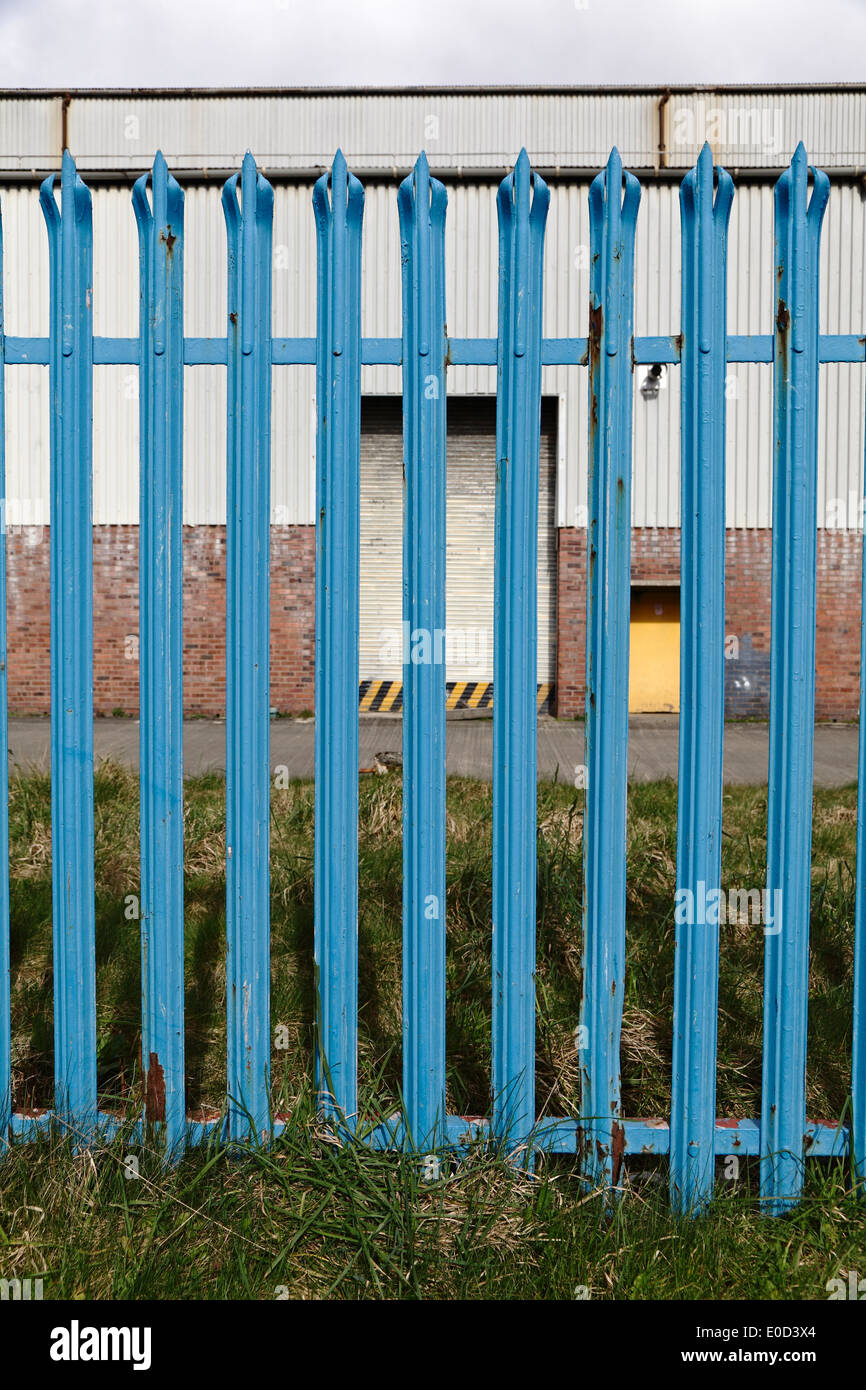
654	654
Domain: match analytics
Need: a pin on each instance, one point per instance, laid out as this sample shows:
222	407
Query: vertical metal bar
702	681
612	220
421	203
5	983
792	682
858	1064
70	246
338	201
522	203
161	648
249	228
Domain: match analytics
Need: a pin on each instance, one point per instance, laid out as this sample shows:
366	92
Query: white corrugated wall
471	244
461	130
380	131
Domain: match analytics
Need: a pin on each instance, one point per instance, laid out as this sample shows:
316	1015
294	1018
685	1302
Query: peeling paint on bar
161	646
522	204
421	204
613	218
338	201
249	227
70	243
792	678
5	980
702	674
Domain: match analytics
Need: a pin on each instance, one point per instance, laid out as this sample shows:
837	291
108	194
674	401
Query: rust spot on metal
154	1104
783	318
783	325
596	328
168	238
617	1151
233	319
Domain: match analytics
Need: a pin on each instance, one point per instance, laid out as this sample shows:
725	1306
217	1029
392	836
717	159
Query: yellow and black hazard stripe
469	695
545	697
387	696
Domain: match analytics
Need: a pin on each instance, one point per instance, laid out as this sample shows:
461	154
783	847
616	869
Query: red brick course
115	606
655	558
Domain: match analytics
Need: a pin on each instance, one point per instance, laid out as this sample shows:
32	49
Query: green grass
323	1221
307	1220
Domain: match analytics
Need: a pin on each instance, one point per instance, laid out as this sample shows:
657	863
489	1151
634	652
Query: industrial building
472	138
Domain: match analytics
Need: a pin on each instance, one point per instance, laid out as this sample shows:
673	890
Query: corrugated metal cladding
471	249
761	129
572	129
299	131
469	524
377	133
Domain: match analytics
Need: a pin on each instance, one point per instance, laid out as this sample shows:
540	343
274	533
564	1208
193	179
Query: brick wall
115	604
655	558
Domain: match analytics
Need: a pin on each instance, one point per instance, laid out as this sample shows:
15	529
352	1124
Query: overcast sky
200	43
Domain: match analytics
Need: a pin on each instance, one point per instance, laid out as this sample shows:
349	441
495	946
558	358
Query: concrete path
653	743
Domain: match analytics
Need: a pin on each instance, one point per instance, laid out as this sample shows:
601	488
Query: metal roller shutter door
470	514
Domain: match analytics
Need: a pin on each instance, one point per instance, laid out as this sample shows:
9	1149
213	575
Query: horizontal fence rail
597	1133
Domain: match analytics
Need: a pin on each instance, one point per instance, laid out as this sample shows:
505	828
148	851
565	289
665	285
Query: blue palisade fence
598	1133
